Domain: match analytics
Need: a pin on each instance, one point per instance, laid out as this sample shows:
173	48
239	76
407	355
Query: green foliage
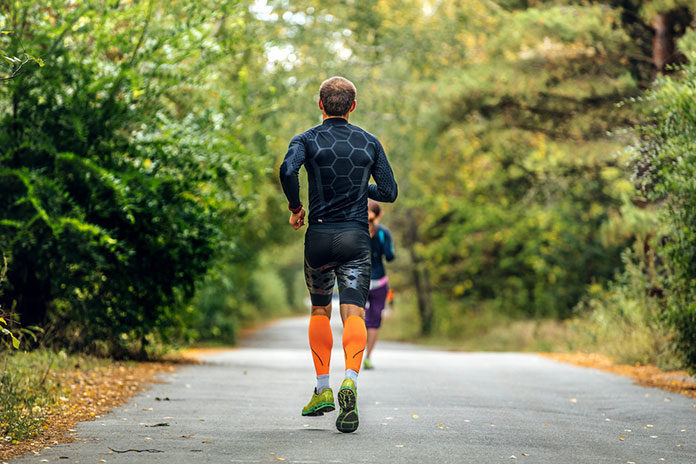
626	319
666	172
125	169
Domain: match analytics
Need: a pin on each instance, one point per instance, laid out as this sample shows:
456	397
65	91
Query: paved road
418	406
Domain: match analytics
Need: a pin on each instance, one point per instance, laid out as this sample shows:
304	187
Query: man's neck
326	116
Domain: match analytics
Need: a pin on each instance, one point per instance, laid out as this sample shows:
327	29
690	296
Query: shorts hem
320	300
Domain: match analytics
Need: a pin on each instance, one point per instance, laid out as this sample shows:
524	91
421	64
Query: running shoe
367	364
347	420
320	403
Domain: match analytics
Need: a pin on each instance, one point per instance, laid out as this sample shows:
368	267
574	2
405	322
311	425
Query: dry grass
86	395
645	375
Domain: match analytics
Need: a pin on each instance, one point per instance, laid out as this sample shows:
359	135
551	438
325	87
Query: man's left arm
385	188
289	170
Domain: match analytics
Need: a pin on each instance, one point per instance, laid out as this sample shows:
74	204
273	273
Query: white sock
322	383
351	374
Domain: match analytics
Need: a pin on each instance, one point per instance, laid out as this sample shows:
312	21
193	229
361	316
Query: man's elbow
285	172
392	194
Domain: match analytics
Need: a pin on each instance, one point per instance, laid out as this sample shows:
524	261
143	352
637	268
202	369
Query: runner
339	158
382	245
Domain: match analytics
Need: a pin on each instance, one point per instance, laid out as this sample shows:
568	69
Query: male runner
339	158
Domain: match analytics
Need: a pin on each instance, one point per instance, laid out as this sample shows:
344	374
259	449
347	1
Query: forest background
545	153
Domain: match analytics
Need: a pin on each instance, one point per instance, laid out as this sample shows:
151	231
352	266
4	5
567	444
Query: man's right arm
385	188
294	159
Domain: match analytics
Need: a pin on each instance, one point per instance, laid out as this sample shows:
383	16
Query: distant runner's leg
373	319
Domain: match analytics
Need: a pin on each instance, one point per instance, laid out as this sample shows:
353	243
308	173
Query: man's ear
352	107
321	105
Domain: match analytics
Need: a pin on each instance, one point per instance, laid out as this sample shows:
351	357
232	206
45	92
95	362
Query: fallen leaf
206	441
415	416
524	454
573	400
399	446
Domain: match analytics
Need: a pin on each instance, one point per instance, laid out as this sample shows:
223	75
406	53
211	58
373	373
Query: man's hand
297	219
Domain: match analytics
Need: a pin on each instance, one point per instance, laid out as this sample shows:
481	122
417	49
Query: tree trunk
420	276
425	305
663	42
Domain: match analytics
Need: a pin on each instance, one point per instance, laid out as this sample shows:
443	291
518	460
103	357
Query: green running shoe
367	364
347	420
320	403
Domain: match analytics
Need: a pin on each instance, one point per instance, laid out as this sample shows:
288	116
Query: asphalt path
418	406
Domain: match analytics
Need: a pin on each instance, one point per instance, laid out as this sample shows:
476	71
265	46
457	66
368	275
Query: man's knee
322	310
348	310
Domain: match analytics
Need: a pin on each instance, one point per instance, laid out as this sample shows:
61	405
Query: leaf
15	343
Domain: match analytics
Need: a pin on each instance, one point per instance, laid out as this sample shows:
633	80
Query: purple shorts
376	300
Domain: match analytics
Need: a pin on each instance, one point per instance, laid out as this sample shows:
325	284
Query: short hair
337	94
373	206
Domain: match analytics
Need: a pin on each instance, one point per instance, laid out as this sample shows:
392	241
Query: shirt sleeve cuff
295	210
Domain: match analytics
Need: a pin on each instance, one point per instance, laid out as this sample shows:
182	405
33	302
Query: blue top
382	245
339	158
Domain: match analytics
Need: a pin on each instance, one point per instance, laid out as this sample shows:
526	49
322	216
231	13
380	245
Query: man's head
337	96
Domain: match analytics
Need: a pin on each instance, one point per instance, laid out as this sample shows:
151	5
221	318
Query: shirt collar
334	121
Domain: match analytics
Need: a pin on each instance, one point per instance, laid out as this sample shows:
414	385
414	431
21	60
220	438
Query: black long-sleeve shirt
339	158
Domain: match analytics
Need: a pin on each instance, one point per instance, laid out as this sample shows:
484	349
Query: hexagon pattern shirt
339	158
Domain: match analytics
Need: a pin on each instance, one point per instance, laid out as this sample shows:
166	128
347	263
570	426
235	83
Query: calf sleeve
321	342
354	339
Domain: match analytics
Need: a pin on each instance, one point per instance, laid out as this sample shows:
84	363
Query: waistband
338	226
378	283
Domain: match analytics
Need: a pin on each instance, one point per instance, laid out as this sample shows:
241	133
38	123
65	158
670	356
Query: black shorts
332	252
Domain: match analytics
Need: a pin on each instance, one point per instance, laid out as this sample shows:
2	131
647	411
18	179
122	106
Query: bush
626	319
665	163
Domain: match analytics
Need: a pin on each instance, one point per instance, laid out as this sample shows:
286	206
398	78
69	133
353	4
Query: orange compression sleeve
321	342
354	339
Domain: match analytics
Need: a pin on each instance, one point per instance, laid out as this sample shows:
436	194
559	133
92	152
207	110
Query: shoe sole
319	409
347	420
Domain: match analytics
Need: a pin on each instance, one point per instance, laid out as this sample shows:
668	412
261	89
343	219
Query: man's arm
294	159
385	188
